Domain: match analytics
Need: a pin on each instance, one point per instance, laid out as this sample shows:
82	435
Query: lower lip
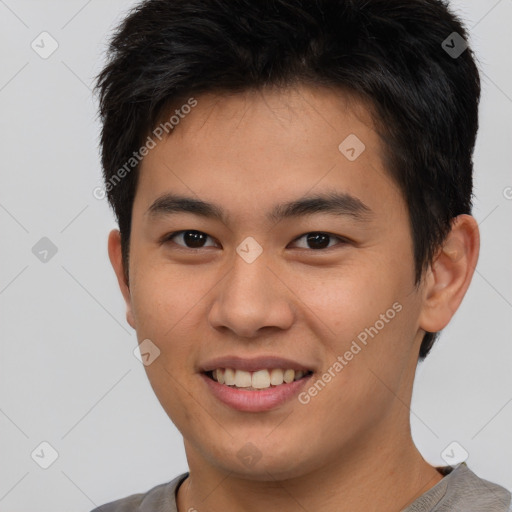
255	401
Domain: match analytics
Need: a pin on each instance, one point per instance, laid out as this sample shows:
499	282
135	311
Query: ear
450	274
116	259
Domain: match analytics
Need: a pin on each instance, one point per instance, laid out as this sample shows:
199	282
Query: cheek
164	296
363	371
169	305
165	301
347	299
367	317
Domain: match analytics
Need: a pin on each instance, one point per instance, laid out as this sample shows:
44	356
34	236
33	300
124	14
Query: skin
350	447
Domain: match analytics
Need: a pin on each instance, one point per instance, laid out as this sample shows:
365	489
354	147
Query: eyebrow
334	203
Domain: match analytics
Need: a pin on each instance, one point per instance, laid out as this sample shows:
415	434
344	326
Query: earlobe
450	274
116	259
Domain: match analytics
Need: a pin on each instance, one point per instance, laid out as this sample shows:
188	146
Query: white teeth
219	375
261	379
229	376
289	375
276	376
243	379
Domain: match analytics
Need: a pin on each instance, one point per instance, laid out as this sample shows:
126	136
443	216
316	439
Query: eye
191	238
319	240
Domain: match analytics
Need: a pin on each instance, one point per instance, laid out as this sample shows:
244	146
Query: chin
266	463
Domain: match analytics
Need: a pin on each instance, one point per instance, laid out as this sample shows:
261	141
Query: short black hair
401	57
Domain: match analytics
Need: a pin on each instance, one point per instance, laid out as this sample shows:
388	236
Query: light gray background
67	371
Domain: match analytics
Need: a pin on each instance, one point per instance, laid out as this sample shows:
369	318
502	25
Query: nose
251	298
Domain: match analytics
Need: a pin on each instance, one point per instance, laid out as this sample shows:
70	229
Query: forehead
282	115
249	148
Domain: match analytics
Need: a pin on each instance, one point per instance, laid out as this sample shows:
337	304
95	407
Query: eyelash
168	238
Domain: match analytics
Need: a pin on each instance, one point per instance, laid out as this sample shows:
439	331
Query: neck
375	476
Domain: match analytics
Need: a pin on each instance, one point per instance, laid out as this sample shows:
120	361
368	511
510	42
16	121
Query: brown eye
191	239
319	240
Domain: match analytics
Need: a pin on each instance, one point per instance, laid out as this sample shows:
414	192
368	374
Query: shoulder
462	489
161	498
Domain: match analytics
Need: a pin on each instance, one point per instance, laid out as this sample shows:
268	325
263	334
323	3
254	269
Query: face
325	285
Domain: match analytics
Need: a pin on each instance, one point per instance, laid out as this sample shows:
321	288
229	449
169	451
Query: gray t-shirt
459	491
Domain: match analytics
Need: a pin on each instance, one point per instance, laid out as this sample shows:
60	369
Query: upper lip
252	364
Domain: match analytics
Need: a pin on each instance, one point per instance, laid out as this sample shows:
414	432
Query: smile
253	381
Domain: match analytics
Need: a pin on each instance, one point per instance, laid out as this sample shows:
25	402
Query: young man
292	181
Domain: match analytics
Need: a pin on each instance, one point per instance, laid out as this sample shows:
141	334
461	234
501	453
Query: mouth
257	380
255	384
